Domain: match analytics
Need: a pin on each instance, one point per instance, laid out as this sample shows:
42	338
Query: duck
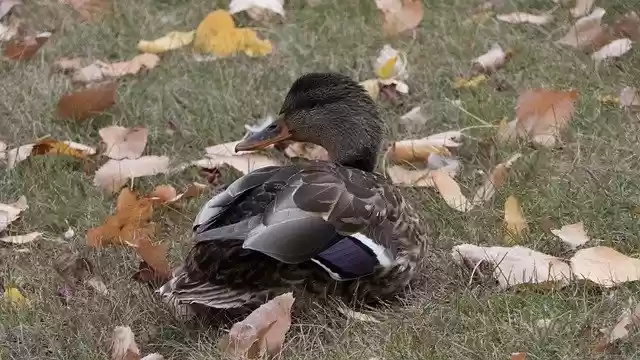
325	228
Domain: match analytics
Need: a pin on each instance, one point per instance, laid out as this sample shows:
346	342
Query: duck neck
363	158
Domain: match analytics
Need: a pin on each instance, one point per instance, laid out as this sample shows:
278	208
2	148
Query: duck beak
271	134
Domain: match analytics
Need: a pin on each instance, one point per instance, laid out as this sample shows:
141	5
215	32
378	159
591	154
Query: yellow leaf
171	41
217	34
388	68
515	223
15	297
464	83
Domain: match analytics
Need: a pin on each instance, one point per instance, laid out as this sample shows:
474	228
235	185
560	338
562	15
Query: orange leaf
155	256
128	224
400	16
519	356
89	9
85	103
163	194
49	146
544	114
263	331
25	49
146	274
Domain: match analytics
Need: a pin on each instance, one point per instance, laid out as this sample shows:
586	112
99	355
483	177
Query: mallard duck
330	228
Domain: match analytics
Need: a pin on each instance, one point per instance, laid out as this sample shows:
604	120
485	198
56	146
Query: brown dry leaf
26	48
48	146
306	150
243	161
494	181
90	10
630	98
400	15
21	239
154	255
123	344
629	319
587	29
147	275
167	194
124	143
115	173
514	222
605	266
521	17
130	222
85	103
582	8
262	332
573	235
519	356
450	191
11	212
515	265
415	150
543	115
100	70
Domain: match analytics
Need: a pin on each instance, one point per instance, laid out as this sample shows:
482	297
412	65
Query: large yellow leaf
171	41
217	34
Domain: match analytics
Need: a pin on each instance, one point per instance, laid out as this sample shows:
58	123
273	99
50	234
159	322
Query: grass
594	178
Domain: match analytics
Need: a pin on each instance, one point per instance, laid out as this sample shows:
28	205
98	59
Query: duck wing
305	211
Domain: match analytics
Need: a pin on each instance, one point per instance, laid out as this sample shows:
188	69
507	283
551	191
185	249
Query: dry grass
595	178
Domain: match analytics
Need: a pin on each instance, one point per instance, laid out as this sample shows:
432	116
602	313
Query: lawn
594	177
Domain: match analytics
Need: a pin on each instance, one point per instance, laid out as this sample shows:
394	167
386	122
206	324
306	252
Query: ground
593	178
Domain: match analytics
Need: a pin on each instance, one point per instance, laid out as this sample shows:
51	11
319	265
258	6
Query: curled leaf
390	63
257	9
10	212
614	49
450	191
514	221
494	181
171	41
400	15
217	34
521	17
573	235
124	143
585	31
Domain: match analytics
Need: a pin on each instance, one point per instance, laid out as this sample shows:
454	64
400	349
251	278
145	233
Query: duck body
319	227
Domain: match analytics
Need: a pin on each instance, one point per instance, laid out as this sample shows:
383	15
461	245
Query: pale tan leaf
422	177
630	98
605	266
614	49
492	59
573	235
68	65
123	344
515	265
400	15
450	191
97	285
521	17
10	212
582	8
131	67
494	181
124	143
154	356
356	315
585	30
171	41
306	150
263	331
629	319
115	173
21	239
414	117
243	161
257	9
514	221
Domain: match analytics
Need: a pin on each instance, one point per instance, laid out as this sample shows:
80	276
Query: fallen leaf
173	40
257	9
154	255
494	181
514	221
356	315
585	30
90	10
543	115
519	356
123	344
415	150
100	70
15	297
573	235
582	8
9	32
390	63
421	177
85	103
605	266
450	191
147	275
48	146
21	239
372	86
69	234
469	83
115	173
225	154
10	212
629	319
614	49
414	117
68	65
492	60
26	48
400	15
97	285
130	222
306	150
217	34
521	17
263	331
515	265
154	356
124	143
630	98
163	193
7	5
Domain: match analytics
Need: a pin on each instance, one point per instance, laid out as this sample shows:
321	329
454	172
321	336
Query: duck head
330	110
